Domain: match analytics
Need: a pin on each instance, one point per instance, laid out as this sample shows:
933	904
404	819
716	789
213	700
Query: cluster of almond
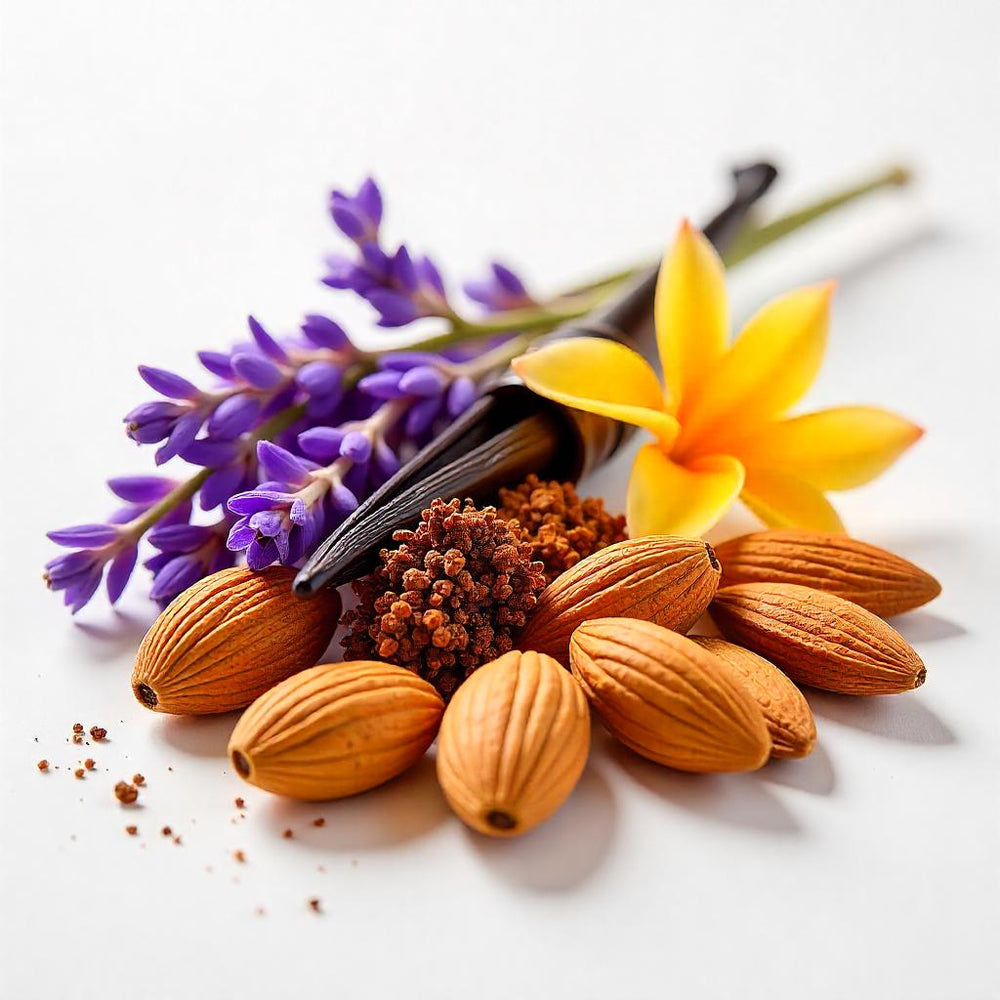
793	607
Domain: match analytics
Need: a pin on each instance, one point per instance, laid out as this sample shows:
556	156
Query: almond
659	578
787	713
335	730
668	699
228	638
513	743
880	581
818	639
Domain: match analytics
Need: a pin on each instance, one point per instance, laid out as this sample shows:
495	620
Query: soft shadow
407	807
813	774
109	640
922	626
896	717
882	252
734	799
566	849
200	736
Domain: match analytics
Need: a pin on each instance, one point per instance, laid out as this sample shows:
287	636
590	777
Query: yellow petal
781	500
769	368
599	376
832	449
671	499
692	314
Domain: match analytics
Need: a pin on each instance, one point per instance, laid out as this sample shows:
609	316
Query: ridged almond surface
818	639
789	719
228	638
335	730
878	580
513	743
667	698
659	578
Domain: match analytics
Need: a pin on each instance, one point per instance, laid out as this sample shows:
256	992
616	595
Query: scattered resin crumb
77	738
138	779
239	856
43	765
314	905
166	831
131	830
77	727
287	834
239	803
319	821
89	764
177	839
98	733
126	793
79	772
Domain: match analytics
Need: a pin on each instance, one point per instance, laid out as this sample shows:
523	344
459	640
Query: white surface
165	168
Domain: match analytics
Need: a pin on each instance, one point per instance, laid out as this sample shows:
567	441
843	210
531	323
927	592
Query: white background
164	173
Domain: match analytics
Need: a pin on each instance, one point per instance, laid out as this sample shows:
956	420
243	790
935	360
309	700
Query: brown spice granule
240	804
166	831
314	905
131	830
450	598
177	839
239	856
77	727
89	763
319	821
42	765
138	779
77	738
79	772
98	733
126	793
287	834
562	528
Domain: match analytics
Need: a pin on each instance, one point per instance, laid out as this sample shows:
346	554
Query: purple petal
184	432
347	219
234	416
167	383
176	577
281	544
268	523
423	381
253	501
82	591
323	332
394	309
298	513
402	361
260	555
429	275
320	378
321	443
217	363
260	372
376	261
386	459
240	535
120	571
403	270
86	536
462	393
150	433
342	272
220	486
382	385
322	408
71	564
508	280
141	489
356	446
370	199
265	341
422	415
179	537
278	463
342	500
211	453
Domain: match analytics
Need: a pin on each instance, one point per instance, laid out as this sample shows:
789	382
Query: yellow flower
720	420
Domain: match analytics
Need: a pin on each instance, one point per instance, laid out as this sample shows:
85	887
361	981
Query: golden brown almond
667	698
787	713
513	744
228	638
335	730
658	578
884	583
818	639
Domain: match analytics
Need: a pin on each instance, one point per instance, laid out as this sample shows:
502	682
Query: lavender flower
187	552
500	291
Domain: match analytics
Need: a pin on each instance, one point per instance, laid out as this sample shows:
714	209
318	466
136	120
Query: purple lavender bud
394	309
76	573
266	342
402	361
152	422
462	393
259	371
141	489
176	576
423	381
429	275
320	378
280	464
86	536
376	262
211	453
385	459
341	271
347	219
240	535
234	416
382	385
217	363
421	416
184	432
253	501
502	290
370	199
321	443
324	332
342	500
220	486
168	384
356	446
120	571
180	538
508	280
403	271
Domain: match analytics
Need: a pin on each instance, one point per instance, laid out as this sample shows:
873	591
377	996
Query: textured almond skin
659	578
668	699
228	638
878	580
513	744
335	730
818	639
787	714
